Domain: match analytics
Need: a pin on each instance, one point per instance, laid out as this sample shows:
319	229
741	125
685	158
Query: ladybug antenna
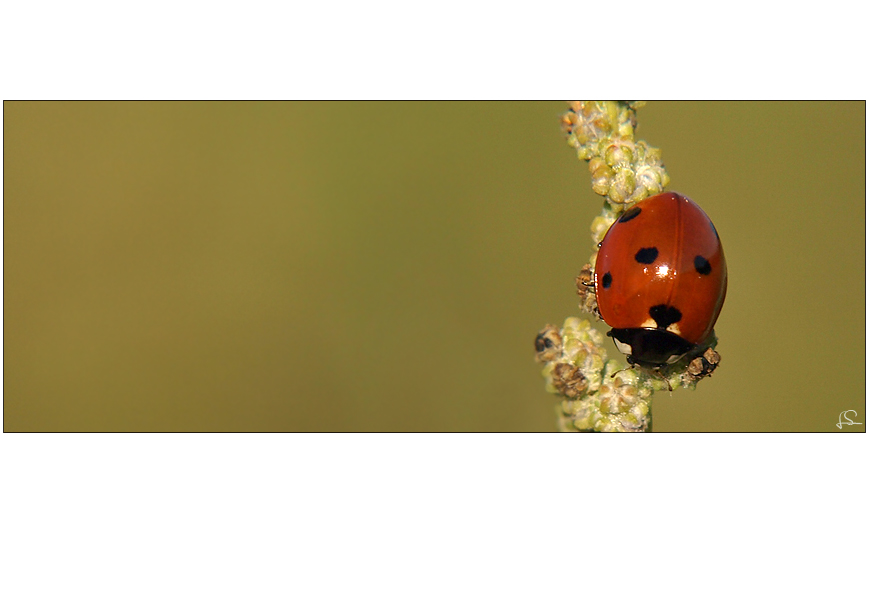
658	372
630	367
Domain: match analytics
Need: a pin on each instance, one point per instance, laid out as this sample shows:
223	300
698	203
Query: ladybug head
650	348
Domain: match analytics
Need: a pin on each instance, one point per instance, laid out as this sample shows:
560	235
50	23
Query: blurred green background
385	266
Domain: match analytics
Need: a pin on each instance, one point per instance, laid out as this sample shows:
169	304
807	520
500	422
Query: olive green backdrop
386	265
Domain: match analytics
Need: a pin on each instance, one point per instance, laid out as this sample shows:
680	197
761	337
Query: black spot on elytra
646	255
606	280
702	266
664	315
629	214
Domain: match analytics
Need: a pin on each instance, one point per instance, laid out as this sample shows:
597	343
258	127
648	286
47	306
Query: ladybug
660	279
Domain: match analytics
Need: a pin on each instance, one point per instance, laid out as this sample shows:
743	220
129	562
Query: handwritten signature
846	420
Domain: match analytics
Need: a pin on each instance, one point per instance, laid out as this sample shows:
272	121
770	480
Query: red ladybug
660	279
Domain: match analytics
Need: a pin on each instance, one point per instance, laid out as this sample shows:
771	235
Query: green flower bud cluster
589	122
592	398
623	170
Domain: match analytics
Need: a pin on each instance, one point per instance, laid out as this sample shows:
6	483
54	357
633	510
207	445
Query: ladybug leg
631	366
658	372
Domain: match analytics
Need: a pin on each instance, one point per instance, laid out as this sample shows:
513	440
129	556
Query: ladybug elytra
660	279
